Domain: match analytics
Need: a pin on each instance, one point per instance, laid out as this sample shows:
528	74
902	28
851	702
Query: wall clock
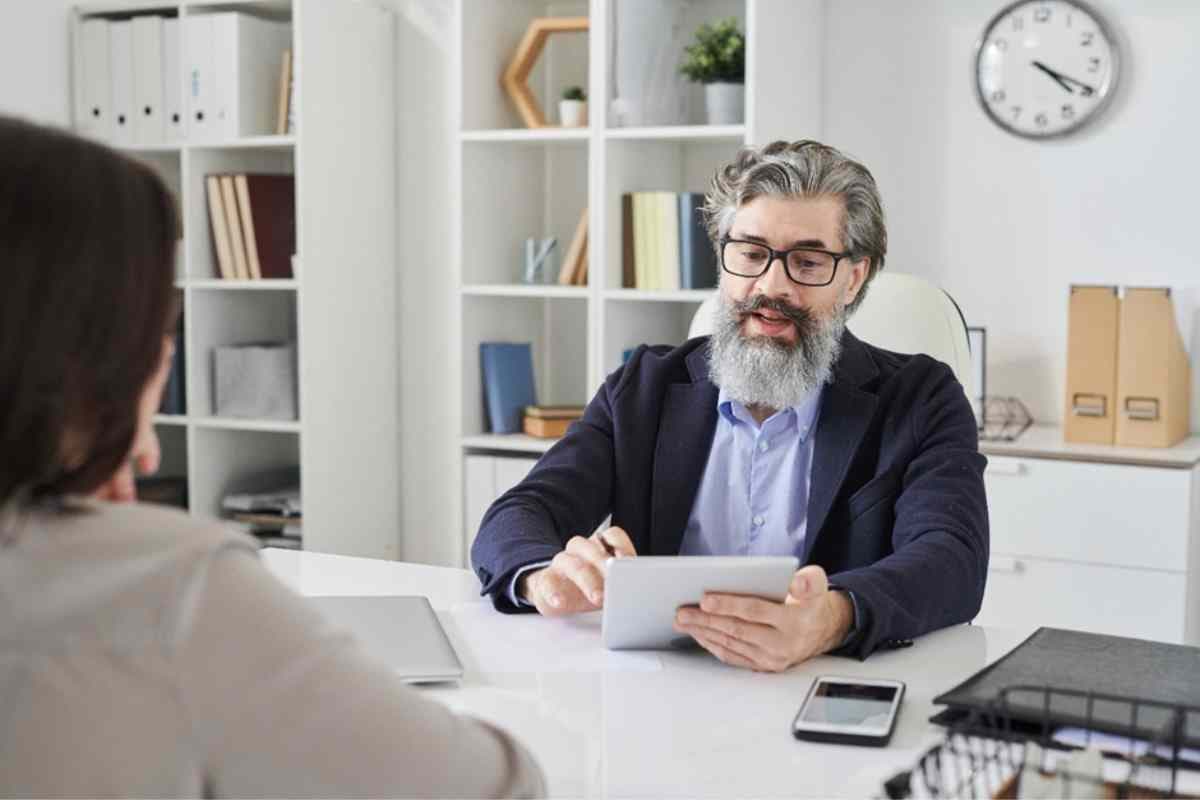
1045	68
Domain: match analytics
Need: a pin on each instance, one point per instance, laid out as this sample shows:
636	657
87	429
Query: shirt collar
803	414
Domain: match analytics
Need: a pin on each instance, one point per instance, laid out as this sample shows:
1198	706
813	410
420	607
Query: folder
93	109
628	253
247	52
197	53
233	223
1092	331
220	228
697	260
120	49
174	112
508	386
148	80
1154	376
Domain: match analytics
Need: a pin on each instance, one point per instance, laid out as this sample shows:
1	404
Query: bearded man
781	434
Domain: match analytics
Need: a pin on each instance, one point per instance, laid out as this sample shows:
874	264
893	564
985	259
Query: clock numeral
1018	23
1041	14
1086	38
998	96
1000	44
1016	112
1068	111
1069	18
1093	64
1041	120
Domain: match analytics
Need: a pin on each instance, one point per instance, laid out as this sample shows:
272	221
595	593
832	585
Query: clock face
1045	67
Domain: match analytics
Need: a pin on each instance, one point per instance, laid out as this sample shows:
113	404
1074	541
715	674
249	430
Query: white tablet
642	594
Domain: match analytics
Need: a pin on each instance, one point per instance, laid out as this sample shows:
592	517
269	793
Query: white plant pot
572	113
724	103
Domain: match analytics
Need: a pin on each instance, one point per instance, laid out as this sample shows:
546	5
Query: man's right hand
574	580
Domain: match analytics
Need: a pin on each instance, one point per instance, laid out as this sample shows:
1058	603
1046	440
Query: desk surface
606	724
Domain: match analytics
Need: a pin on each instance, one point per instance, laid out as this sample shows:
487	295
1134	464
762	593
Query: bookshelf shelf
520	290
344	331
222	284
679	133
232	424
507	443
504	194
652	296
527	135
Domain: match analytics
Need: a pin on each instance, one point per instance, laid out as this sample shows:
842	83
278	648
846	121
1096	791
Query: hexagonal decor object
528	51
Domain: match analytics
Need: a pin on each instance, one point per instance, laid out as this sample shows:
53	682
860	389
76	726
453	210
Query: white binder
93	87
247	54
174	109
120	50
148	80
197	36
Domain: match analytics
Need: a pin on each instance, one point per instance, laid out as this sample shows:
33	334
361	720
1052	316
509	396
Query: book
697	259
573	265
220	227
628	254
174	399
507	372
237	245
269	224
284	98
242	189
550	421
640	241
667	208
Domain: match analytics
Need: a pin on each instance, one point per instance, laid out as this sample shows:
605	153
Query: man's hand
766	636
574	581
145	454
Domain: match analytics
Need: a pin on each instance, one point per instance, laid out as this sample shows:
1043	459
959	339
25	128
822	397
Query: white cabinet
485	478
1096	539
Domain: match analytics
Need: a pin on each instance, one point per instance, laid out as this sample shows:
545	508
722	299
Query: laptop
403	632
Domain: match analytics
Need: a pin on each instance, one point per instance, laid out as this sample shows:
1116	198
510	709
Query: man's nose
775	281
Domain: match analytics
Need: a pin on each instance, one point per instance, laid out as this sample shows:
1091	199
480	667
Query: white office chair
901	313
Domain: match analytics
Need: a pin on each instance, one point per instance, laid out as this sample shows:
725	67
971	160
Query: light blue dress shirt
753	499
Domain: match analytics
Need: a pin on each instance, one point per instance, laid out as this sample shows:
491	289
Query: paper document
498	642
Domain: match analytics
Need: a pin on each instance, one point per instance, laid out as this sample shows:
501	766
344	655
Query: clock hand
1064	80
1057	78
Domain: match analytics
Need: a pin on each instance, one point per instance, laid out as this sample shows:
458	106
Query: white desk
652	724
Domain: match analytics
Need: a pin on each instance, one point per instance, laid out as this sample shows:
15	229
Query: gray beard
763	371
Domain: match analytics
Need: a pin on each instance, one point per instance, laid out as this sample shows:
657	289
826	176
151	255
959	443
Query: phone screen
849	704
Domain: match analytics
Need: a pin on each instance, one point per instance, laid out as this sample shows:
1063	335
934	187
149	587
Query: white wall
1007	224
35	60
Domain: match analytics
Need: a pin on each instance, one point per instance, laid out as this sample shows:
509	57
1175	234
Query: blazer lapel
846	413
685	434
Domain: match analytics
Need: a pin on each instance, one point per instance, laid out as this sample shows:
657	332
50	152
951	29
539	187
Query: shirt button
762	446
758	521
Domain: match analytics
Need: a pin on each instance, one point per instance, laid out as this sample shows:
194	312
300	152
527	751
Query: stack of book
274	518
253	220
664	242
550	422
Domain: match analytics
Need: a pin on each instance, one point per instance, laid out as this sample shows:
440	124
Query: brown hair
87	247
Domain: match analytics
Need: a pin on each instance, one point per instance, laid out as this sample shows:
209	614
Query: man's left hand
767	636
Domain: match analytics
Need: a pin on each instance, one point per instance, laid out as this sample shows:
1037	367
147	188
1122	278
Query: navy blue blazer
896	503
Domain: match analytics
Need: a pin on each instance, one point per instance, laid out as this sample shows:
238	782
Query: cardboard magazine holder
1092	339
1154	376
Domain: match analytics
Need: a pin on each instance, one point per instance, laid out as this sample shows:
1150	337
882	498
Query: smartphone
849	711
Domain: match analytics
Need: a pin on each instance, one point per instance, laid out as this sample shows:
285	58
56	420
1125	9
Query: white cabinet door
1126	516
1025	593
485	478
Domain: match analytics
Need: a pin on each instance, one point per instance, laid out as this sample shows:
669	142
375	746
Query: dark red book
268	210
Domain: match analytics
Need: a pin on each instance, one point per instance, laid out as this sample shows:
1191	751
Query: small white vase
572	113
724	103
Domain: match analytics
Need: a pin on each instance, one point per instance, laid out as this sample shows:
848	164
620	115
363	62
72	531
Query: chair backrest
901	313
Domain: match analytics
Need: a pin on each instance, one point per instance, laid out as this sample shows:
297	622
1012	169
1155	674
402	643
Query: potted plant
718	60
572	109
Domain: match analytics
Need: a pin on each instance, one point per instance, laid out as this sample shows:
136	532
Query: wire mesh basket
1045	742
1002	419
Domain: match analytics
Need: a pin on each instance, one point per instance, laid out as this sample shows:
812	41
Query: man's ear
859	271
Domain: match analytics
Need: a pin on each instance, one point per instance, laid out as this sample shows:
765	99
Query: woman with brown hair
144	652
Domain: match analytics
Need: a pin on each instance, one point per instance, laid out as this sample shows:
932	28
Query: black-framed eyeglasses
803	265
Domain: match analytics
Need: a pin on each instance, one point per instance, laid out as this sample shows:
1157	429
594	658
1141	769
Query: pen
608	548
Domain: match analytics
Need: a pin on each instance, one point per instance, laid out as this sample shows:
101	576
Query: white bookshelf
509	183
340	308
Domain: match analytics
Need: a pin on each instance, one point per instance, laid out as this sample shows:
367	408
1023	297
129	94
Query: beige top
146	653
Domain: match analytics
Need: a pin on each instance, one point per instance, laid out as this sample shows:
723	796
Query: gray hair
803	169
